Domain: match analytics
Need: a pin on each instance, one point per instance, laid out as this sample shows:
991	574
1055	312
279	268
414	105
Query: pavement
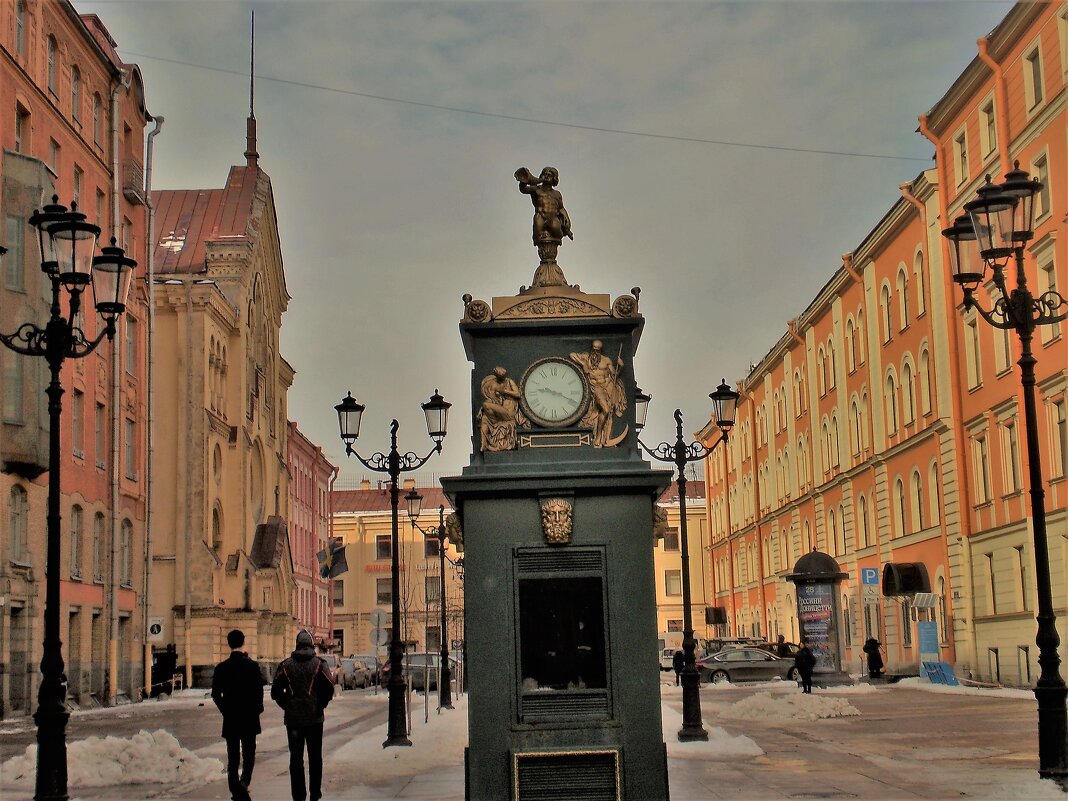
906	743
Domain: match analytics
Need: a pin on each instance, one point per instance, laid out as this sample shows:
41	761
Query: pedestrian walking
804	662
875	659
303	688
782	650
678	662
237	689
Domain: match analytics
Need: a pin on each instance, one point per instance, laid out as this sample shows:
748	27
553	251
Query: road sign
869	575
871	590
379	636
155	629
378	618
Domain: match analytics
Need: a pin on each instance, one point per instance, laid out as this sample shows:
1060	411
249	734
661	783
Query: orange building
72	123
883	427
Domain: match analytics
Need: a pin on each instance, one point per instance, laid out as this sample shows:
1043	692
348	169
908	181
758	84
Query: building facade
363	521
221	554
311	478
884	426
72	124
667	561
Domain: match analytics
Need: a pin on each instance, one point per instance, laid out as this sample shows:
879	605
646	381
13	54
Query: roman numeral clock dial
554	393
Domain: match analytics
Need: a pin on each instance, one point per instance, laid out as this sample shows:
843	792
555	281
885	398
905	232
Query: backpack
302	708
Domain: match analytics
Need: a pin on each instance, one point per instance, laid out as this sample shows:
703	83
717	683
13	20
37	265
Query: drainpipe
116	411
187	538
150	252
958	439
1000	97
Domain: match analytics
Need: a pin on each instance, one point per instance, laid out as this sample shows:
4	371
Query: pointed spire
251	156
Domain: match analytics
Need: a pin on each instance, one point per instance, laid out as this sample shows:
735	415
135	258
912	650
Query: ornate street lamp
724	403
67	247
999	224
349	415
445	680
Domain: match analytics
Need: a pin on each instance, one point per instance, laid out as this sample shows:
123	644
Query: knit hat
304	639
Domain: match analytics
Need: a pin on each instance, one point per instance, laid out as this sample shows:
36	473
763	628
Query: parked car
422	668
333	665
744	664
371	662
773	648
354	673
714	646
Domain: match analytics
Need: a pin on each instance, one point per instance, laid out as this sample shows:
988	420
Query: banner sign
928	636
815	609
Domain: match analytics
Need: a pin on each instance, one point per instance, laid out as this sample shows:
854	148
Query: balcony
133	181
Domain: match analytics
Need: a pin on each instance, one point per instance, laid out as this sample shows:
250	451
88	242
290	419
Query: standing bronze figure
551	222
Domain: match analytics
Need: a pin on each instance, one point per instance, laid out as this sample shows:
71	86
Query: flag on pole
332	561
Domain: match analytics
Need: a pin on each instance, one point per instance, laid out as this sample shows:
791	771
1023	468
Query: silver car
744	664
354	673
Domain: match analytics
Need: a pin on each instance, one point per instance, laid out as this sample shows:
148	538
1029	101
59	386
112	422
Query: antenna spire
251	156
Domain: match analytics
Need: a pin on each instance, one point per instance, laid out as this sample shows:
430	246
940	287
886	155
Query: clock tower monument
557	511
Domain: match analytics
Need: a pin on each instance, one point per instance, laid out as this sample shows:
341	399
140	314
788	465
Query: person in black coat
237	689
678	662
782	650
804	662
875	659
302	687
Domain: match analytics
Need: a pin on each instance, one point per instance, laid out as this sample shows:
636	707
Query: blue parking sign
869	575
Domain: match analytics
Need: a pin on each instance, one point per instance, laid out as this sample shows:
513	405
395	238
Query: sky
720	156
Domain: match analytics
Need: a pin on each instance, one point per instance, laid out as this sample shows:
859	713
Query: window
921	283
972	354
832	534
131	345
101	435
917	501
1058	418
943	611
831	379
925	382
53	155
884	312
98	547
569	652
78	175
851	345
126	553
75	93
981	460
1047	282
847	614
384	591
960	157
1040	170
382	546
671	539
100	212
14	261
862	522
22	129
903	299
988	129
98	123
430	547
216	529
51	49
20	27
672	582
18	511
339	592
908	394
906	624
899	508
13	384
1022	587
891	405
76	542
1002	340
130	451
934	513
76	416
1011	446
1033	88
992	593
432	589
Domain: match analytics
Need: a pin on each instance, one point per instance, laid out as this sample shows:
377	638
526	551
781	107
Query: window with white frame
98	547
432	589
130	449
75	92
900	521
891	404
903	299
1057	415
981	463
921	285
854	417
1047	282
916	501
851	345
1040	171
908	394
1010	443
98	120
831	376
76	542
860	337
18	514
972	353
933	504
884	312
988	127
925	381
1034	90
1002	339
51	48
100	434
22	129
77	415
1023	588
672	582
20	27
126	553
863	526
960	157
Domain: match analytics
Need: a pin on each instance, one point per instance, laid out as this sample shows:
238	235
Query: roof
364	501
269	544
186	219
694	489
816	565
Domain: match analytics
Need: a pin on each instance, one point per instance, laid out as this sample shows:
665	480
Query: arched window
925	382
75	93
831	376
801	392
216	529
52	48
76	542
899	508
943	612
851	345
18	512
908	394
854	424
835	453
825	446
842	549
98	123
917	501
903	298
862	522
821	371
884	312
832	534
860	337
891	405
932	481
98	547
847	626
921	284
806	542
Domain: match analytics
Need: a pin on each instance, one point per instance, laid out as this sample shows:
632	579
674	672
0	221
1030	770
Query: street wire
532	120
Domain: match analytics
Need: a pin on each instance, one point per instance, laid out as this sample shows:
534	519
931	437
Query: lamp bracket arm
29	340
412	461
379	462
1047	305
664	452
80	347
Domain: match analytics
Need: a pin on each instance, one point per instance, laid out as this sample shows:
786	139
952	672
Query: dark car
714	646
773	648
421	669
744	664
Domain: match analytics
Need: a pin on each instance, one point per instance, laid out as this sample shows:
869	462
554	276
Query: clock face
554	392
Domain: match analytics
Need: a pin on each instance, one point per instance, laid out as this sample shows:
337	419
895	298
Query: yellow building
363	521
667	561
220	546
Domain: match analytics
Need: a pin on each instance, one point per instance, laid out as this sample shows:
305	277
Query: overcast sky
390	209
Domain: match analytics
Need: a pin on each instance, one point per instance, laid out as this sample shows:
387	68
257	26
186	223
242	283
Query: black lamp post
445	682
67	245
999	222
724	403
349	414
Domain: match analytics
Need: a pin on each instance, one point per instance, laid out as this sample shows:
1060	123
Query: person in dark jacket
302	687
782	649
804	662
237	689
875	659
678	662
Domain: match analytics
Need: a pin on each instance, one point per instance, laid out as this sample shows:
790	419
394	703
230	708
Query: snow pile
147	757
799	706
720	745
916	683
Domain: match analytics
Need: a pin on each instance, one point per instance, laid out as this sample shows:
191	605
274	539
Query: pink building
310	485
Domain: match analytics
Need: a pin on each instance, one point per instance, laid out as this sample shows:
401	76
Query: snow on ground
147	757
1028	788
798	706
437	743
915	683
160	705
